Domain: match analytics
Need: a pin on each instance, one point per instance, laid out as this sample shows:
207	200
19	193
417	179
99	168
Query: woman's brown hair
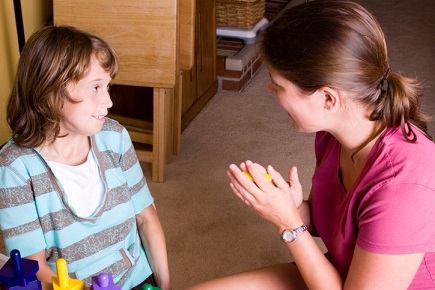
339	44
52	57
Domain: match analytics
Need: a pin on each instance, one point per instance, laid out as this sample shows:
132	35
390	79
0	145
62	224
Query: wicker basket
239	13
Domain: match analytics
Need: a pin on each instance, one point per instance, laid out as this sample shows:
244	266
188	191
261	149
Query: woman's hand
275	201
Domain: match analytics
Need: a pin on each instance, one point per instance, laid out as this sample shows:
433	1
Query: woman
373	190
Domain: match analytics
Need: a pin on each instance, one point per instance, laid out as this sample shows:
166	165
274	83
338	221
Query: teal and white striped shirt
35	215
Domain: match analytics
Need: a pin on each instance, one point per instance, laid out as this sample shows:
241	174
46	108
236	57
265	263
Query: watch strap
295	233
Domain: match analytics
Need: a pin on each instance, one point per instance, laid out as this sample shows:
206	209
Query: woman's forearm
305	213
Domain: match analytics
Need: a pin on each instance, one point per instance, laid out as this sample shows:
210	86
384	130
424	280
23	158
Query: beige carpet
210	232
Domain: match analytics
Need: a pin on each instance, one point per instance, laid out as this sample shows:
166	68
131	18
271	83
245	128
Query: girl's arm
153	240
44	273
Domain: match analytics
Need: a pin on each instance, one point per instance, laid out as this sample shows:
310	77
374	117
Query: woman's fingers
240	184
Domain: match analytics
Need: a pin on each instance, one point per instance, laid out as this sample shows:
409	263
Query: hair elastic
384	81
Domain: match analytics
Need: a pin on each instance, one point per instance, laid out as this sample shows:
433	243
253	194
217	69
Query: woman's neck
353	128
356	144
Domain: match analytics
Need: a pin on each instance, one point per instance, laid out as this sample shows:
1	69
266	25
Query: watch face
288	236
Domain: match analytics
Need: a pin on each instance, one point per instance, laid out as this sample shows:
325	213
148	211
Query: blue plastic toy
20	273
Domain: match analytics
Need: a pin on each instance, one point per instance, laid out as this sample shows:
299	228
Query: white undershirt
82	185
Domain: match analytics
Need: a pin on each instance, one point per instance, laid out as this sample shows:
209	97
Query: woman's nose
270	88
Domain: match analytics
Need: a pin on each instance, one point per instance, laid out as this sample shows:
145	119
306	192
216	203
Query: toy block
103	281
149	287
62	281
268	177
20	273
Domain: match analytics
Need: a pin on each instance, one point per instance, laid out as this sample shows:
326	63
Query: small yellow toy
268	177
62	281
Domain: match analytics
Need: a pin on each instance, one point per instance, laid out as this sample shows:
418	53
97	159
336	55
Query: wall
35	14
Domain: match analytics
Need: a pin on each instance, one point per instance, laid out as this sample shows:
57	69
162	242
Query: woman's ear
330	98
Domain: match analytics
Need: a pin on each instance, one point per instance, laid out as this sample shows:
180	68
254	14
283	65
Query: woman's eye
274	85
95	89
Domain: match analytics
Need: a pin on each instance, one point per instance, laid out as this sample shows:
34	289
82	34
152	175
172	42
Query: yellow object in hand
268	177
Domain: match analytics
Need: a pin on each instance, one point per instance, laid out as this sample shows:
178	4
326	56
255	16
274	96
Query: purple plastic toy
103	281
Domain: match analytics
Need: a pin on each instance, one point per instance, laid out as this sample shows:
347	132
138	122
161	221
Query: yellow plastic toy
268	177
62	281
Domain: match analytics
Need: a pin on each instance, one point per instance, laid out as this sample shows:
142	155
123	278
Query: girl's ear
330	97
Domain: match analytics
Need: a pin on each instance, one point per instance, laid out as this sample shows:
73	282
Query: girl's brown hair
339	44
52	57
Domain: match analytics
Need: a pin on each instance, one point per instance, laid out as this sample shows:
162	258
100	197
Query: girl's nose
108	100
110	104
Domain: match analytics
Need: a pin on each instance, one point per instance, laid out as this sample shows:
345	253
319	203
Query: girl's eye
95	89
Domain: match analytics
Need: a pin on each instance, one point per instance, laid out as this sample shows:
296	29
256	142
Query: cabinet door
205	45
189	92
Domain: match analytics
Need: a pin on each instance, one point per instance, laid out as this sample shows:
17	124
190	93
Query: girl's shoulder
111	125
112	130
113	136
12	151
20	162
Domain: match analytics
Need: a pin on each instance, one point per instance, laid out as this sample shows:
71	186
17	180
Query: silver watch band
289	236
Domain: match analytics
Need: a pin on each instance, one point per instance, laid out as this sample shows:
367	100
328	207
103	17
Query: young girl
373	190
71	186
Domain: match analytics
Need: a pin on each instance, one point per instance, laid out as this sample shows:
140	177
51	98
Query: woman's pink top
389	210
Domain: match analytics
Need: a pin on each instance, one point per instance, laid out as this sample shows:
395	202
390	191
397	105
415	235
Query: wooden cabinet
199	80
200	83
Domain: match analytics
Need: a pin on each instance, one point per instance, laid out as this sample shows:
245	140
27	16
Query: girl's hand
275	201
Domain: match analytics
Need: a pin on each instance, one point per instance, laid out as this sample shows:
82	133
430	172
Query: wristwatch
289	236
